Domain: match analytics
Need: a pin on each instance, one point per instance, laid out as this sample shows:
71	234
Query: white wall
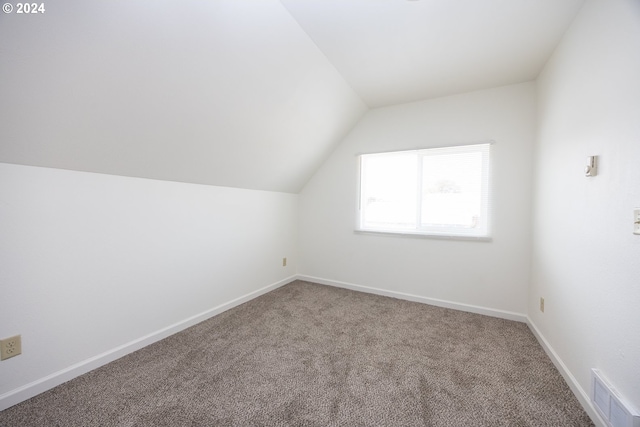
91	262
586	261
493	274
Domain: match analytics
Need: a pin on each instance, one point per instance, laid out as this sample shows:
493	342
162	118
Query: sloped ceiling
222	92
397	51
244	93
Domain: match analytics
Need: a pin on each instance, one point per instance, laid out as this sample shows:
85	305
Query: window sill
424	235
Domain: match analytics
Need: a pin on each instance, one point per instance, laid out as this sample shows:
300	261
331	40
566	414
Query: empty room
320	213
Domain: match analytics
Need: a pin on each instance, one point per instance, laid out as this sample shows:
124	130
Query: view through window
438	191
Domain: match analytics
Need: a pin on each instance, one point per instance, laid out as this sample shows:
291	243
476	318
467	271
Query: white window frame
481	232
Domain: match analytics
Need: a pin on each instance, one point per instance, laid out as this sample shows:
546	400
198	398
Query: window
438	191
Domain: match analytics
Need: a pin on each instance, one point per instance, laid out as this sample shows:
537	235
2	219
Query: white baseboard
578	391
502	314
41	385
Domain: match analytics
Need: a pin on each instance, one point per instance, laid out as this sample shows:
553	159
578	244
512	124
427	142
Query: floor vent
611	406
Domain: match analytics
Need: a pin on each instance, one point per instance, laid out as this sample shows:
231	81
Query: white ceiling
222	92
238	93
397	51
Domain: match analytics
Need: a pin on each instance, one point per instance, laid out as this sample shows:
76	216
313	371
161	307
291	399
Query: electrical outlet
542	304
10	347
284	262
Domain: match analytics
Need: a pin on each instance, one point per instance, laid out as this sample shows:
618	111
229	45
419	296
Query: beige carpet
313	355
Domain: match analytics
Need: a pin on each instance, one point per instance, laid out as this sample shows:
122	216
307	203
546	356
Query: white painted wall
586	261
487	274
91	262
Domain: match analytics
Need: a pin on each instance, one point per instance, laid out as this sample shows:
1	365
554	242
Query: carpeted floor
313	355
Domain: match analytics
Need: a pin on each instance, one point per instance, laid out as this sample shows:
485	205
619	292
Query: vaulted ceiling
244	93
397	51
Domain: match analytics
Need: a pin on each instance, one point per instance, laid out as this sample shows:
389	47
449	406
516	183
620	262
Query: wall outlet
542	304
10	347
284	262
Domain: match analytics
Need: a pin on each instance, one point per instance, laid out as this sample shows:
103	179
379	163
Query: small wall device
592	166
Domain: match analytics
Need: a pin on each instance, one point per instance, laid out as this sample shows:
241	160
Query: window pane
389	187
434	191
452	190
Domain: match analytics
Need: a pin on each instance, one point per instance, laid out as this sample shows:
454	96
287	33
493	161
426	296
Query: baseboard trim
41	385
578	391
502	314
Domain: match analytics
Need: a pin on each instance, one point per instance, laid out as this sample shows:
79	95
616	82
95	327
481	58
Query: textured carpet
313	355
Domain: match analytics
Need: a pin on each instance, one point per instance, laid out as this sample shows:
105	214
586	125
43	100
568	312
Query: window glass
441	191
